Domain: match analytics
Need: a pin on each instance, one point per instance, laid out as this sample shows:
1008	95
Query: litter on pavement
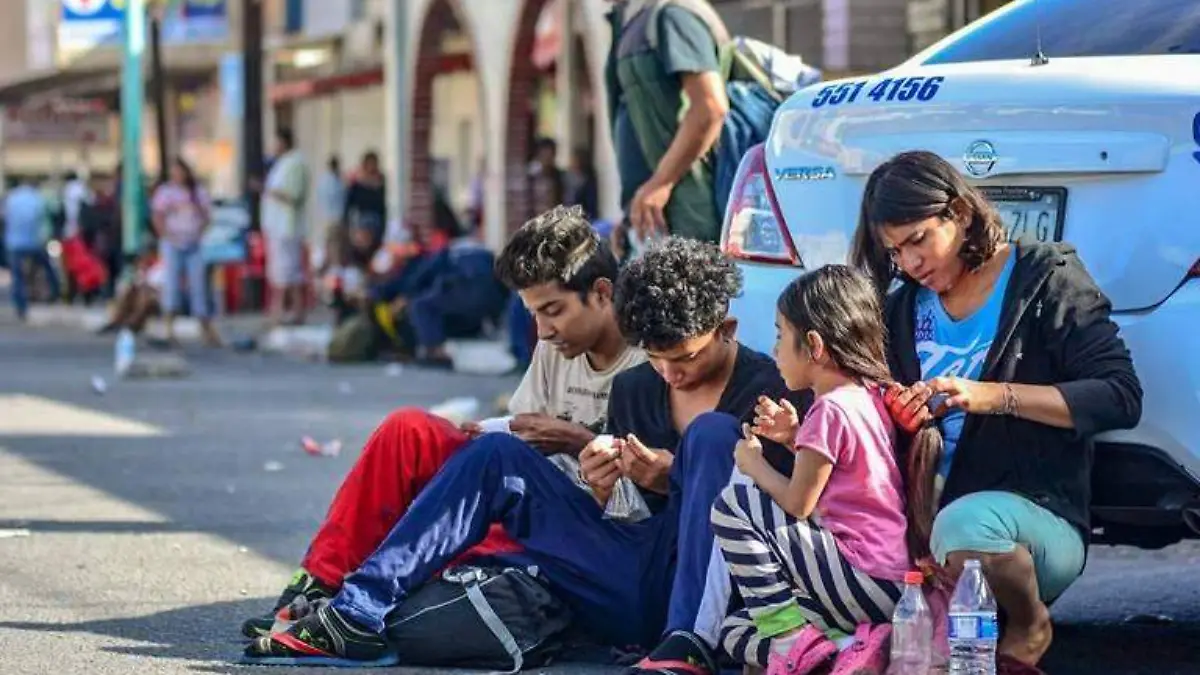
315	448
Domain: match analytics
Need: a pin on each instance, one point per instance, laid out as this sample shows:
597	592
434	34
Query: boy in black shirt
620	577
673	302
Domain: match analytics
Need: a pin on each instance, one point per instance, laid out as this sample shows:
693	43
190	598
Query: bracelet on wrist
1011	406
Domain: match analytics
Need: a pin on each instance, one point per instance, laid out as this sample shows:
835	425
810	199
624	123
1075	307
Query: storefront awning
317	86
77	83
53	85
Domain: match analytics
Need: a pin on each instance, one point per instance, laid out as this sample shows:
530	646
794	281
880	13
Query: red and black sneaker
322	638
303	585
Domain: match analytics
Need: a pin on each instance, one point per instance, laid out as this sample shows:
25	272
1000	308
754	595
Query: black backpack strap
470	577
496	625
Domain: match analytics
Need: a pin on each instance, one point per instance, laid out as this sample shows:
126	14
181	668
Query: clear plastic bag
625	503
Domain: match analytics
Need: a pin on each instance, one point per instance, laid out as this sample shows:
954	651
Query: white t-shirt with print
569	389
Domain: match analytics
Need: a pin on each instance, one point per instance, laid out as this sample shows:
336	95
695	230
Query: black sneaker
681	653
302	585
322	638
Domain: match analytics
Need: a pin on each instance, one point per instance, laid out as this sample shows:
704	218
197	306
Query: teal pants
997	522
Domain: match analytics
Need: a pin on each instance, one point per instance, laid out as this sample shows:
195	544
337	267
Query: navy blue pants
628	582
434	314
16	265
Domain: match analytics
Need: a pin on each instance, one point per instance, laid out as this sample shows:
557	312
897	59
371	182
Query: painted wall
497	21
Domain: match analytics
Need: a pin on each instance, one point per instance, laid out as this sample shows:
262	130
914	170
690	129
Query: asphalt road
138	527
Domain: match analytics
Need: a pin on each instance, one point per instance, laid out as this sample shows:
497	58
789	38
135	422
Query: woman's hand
774	421
908	406
748	453
977	398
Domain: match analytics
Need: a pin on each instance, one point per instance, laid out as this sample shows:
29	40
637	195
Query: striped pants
781	565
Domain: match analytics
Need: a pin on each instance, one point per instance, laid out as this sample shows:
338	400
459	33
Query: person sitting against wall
1015	347
449	291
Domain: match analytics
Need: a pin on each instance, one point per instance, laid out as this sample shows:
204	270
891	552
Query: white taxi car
1081	120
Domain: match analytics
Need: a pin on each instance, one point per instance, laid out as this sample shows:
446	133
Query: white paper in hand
496	425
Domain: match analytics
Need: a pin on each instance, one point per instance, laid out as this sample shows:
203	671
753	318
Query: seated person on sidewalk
1019	344
620	577
462	295
138	301
819	557
564	272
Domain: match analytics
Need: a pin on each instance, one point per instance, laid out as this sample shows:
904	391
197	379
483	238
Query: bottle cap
914	578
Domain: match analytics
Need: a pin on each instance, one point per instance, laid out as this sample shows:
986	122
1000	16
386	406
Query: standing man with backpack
667	102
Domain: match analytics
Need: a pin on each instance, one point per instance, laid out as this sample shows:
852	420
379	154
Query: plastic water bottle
973	629
912	630
124	352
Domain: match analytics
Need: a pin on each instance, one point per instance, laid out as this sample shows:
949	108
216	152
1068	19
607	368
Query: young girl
819	557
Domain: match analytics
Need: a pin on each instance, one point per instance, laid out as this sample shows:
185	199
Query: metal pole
397	103
132	103
159	93
252	110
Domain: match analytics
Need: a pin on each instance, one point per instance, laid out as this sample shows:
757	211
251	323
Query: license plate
1030	214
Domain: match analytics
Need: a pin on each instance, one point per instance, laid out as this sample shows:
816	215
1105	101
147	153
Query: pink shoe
810	651
869	653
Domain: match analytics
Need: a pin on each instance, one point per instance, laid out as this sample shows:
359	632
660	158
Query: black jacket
1054	330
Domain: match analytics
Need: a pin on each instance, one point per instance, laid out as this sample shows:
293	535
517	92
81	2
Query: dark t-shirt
685	45
366	206
640	404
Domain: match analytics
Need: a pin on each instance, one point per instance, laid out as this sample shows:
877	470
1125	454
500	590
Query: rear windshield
1081	28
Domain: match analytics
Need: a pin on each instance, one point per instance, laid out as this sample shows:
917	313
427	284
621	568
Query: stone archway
443	18
523	76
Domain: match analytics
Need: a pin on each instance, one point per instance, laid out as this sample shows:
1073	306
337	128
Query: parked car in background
1080	119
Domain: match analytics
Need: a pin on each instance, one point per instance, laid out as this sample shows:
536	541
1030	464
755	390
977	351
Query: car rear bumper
1166	353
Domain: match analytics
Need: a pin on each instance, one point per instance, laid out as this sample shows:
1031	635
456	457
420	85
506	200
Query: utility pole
158	90
397	113
132	104
252	111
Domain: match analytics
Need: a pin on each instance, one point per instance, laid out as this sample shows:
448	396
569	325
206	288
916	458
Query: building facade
60	80
452	94
538	69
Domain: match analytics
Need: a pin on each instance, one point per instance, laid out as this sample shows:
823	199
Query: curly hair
559	246
678	289
909	188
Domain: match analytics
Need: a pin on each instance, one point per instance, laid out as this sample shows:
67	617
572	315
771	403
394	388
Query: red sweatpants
399	459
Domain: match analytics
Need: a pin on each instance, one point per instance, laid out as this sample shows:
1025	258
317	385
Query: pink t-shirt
183	217
862	505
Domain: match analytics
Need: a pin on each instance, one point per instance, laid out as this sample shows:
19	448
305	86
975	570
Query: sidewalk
309	342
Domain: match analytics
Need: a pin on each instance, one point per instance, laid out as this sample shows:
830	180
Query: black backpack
495	618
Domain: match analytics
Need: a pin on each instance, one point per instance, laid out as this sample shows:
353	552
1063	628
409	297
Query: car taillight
754	229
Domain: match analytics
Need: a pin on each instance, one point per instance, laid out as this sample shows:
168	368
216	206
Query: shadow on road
1127	649
195	632
204	634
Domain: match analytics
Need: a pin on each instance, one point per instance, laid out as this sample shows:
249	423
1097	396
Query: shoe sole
320	661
